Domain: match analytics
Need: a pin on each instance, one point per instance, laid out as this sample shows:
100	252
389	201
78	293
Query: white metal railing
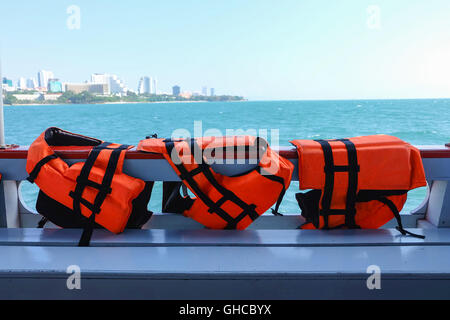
14	212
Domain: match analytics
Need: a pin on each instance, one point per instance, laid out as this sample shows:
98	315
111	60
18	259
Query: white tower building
154	86
22	83
43	77
31	83
116	86
145	85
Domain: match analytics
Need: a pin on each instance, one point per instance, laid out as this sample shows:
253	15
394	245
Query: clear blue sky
284	49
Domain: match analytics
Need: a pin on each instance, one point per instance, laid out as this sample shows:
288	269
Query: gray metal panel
265	222
238	238
159	169
13	169
145	169
226	272
437	169
227	261
266	288
3	219
438	210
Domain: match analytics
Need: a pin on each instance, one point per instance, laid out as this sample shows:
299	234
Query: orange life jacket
90	194
359	182
222	202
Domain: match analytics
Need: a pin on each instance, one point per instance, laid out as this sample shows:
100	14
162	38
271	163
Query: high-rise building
145	85
141	89
176	90
204	91
155	86
94	88
7	85
99	78
31	83
116	86
7	82
54	86
43	77
212	92
22	83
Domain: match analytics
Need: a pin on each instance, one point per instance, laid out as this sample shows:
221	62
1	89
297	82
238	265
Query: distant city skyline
47	82
259	49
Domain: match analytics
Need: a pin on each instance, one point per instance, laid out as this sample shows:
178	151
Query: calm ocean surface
420	122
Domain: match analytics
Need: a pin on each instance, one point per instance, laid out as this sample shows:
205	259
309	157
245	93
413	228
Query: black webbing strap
103	189
42	222
278	179
84	177
86	236
37	168
217	204
352	168
205	169
193	173
329	180
394	210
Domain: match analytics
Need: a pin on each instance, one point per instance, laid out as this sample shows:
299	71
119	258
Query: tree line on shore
69	97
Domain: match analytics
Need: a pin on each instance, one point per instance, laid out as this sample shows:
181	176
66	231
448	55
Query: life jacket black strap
330	168
329	181
37	168
86	236
227	195
397	216
42	222
192	173
353	170
280	180
217	204
103	189
95	185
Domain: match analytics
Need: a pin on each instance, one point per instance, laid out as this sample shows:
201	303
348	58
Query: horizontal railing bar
159	169
20	152
173	221
231	238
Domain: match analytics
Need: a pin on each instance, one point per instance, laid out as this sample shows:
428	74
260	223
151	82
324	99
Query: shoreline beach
114	103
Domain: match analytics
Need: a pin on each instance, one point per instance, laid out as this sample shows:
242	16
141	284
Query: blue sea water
420	122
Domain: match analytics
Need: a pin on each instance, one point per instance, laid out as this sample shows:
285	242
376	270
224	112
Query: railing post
438	211
11	203
3	221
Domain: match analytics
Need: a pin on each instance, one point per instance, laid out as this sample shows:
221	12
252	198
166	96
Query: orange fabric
386	163
252	187
400	168
56	179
